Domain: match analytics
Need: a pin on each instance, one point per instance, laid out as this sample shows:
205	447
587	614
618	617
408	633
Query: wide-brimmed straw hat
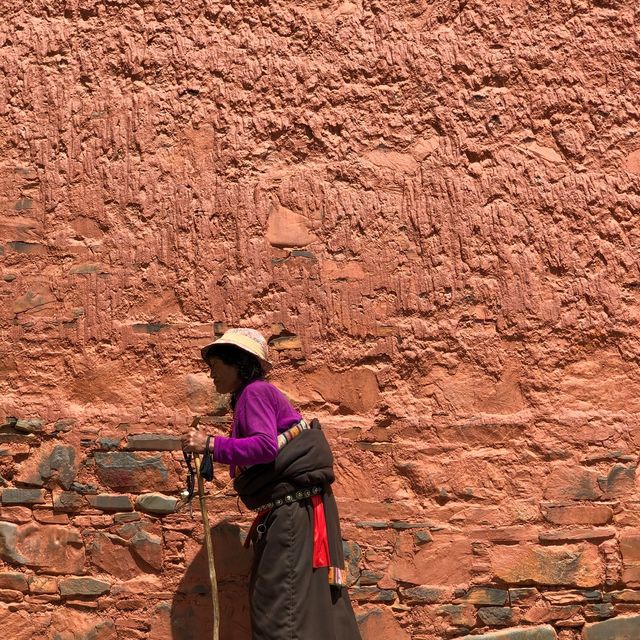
248	340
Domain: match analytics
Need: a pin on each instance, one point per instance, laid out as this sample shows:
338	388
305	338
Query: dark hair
249	367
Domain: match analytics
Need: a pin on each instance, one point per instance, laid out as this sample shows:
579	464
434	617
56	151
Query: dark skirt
290	600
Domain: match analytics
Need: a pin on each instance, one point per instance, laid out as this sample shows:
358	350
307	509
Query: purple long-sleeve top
261	413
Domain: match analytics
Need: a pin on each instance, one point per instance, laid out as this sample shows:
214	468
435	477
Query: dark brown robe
290	600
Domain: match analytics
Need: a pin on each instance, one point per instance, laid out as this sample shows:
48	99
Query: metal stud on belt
301	494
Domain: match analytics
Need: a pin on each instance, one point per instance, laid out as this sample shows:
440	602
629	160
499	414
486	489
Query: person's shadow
192	610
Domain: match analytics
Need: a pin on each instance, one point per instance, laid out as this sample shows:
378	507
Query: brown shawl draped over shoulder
304	461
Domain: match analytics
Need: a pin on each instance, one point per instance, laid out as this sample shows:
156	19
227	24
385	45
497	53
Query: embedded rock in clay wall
431	211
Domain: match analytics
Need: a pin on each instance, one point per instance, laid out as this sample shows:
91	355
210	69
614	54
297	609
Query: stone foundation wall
430	208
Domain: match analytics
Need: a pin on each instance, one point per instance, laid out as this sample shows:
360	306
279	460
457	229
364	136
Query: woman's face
224	376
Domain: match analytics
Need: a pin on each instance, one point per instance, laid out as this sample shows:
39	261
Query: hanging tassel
320	538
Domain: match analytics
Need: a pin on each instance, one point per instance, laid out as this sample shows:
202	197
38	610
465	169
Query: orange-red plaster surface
429	208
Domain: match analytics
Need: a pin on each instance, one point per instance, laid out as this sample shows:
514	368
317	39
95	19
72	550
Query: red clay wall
431	210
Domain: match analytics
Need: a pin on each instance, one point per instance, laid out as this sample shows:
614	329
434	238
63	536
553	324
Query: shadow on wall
191	610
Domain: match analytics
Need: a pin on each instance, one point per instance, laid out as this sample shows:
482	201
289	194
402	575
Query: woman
283	470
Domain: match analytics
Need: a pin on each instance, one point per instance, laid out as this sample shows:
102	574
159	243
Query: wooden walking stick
208	543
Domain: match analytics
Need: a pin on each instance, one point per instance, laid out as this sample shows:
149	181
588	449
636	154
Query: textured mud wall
431	210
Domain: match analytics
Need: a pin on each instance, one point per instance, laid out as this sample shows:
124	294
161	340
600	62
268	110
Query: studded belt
301	494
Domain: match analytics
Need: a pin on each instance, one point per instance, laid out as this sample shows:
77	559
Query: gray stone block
544	632
110	502
23	496
622	628
153	442
83	587
156	503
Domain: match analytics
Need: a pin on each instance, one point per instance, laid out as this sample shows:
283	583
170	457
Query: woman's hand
195	441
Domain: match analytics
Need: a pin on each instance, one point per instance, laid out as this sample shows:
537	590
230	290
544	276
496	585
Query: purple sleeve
259	441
